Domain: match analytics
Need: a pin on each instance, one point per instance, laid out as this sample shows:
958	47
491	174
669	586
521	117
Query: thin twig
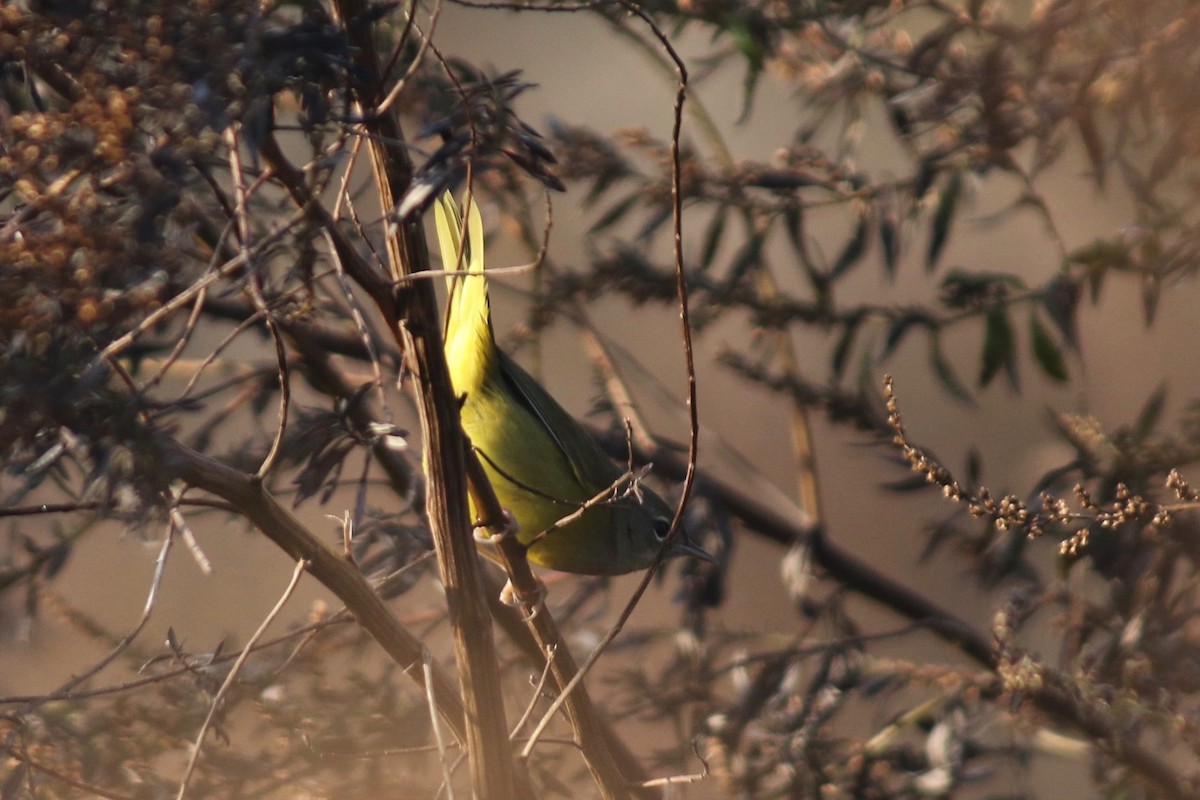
537	692
189	538
232	676
254	286
36	766
185	336
426	41
435	721
160	564
178	301
347	293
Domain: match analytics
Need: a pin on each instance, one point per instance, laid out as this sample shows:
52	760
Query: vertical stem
419	332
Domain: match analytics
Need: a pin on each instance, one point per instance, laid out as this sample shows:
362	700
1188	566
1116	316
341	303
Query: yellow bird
542	464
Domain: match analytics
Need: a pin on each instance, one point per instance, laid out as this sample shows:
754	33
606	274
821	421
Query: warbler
543	466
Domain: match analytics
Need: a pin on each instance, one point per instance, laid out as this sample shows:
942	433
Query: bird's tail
461	254
468	334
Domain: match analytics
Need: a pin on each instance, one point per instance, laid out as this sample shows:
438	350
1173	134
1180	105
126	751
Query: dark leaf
1098	258
1004	562
939	534
748	255
793	223
616	213
945	373
900	119
656	221
1054	477
974	466
1060	298
749	84
845	344
322	471
1150	413
943	219
533	141
264	394
1046	351
535	169
927	172
1092	142
58	556
962	289
1010	370
874	686
999	345
911	483
1104	253
750	36
793	220
900	328
1151	291
781	180
1166	160
712	238
889	237
852	253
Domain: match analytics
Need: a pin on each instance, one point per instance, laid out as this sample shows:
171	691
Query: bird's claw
531	605
507	527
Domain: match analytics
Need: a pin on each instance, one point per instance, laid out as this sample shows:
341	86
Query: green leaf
999	345
943	219
1046	351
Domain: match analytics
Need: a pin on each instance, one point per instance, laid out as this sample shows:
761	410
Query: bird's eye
661	528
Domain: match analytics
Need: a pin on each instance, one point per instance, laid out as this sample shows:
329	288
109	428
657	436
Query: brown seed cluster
1010	512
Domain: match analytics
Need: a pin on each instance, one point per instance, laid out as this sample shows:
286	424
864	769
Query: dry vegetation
182	181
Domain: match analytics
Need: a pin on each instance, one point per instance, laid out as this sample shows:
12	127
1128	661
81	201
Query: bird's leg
504	537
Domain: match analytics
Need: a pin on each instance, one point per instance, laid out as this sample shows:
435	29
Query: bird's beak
684	547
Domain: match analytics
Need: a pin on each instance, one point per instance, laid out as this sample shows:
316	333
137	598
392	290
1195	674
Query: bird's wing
592	467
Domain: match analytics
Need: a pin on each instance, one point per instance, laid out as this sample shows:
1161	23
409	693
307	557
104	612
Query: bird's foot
506	527
529	602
